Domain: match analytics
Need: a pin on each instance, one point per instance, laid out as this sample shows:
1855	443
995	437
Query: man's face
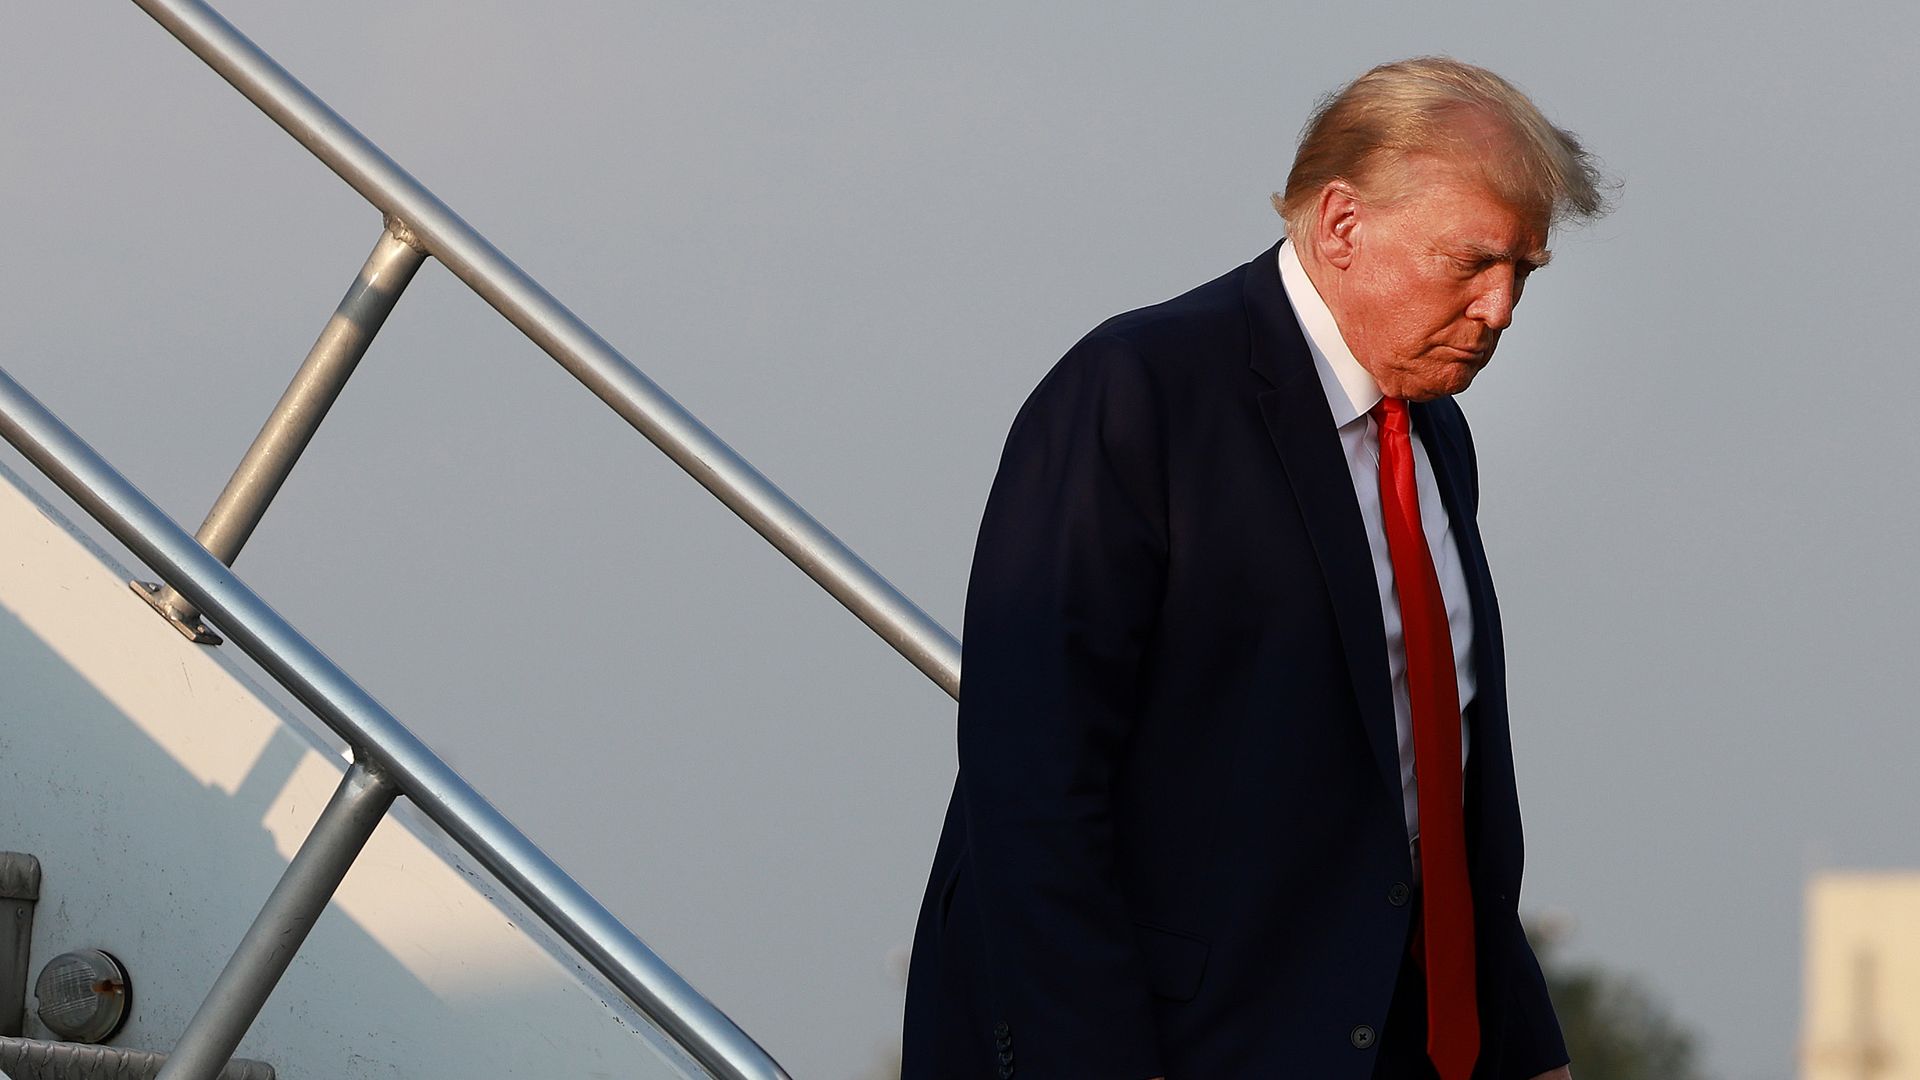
1433	279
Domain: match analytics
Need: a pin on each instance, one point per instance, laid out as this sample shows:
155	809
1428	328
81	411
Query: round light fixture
83	995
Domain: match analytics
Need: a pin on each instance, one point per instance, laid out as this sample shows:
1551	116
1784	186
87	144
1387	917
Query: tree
1615	1028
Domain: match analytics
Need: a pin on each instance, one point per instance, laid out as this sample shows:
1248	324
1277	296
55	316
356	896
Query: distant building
1861	1018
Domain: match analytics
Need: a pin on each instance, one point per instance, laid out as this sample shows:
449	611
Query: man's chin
1457	377
1444	384
1432	376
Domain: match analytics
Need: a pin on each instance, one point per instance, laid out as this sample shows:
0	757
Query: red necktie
1453	1019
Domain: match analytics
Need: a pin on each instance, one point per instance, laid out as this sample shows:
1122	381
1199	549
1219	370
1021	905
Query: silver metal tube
315	387
556	899
302	894
567	339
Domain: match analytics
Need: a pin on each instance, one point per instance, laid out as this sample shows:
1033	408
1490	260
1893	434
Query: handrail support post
356	809
546	322
291	426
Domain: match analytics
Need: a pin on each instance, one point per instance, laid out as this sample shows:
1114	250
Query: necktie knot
1391	414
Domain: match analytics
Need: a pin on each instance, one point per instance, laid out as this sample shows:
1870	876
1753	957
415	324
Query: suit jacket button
1000	1029
1006	1072
1361	1037
1006	1058
1398	894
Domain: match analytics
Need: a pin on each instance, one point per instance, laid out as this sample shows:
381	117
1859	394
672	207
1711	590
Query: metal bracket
191	629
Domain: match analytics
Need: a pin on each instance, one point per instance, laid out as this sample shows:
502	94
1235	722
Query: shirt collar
1350	389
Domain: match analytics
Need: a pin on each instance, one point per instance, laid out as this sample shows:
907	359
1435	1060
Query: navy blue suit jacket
1176	844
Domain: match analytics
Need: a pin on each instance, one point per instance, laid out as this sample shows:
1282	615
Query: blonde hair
1435	105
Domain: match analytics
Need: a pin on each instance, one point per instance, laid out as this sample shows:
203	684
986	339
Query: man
1229	602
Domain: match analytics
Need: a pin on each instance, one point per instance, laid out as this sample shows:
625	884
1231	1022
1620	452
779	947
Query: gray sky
851	237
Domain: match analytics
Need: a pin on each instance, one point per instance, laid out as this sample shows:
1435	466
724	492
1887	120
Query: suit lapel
1489	760
1449	457
1301	427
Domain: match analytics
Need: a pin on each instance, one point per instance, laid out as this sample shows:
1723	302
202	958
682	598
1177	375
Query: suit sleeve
1534	1043
1064	594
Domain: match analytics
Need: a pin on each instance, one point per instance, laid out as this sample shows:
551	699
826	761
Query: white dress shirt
1352	394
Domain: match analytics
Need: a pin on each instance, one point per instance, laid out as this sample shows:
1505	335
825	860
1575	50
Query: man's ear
1333	230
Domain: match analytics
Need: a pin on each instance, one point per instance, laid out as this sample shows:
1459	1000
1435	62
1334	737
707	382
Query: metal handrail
561	333
380	742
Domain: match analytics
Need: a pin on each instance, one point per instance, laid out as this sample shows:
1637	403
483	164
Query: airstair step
37	1059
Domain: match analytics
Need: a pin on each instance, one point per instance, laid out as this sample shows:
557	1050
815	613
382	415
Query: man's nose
1498	294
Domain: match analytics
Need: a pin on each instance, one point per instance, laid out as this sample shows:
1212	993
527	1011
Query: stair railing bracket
190	628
